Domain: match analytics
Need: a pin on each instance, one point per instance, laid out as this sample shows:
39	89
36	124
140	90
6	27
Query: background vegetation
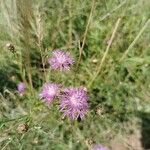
110	41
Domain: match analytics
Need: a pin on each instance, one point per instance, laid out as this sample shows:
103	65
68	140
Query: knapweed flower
99	147
73	102
49	92
21	87
60	60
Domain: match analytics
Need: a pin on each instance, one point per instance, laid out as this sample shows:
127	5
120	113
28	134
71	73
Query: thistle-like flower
21	87
99	147
49	92
60	60
73	102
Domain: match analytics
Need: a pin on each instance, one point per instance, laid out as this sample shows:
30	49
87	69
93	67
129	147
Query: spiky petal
49	92
60	60
73	102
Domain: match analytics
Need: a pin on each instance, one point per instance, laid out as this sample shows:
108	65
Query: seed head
22	128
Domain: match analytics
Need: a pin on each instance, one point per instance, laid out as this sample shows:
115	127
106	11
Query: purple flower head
49	92
60	60
21	87
73	102
99	147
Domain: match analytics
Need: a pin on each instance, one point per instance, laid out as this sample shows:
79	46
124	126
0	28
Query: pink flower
73	102
49	92
21	87
99	147
60	60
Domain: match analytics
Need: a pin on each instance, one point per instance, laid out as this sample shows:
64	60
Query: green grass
109	40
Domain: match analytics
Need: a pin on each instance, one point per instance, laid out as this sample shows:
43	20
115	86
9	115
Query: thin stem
9	141
114	10
106	7
106	52
85	33
43	62
24	9
54	33
39	33
135	40
70	24
29	70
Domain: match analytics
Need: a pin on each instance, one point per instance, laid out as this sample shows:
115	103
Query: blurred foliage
35	28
